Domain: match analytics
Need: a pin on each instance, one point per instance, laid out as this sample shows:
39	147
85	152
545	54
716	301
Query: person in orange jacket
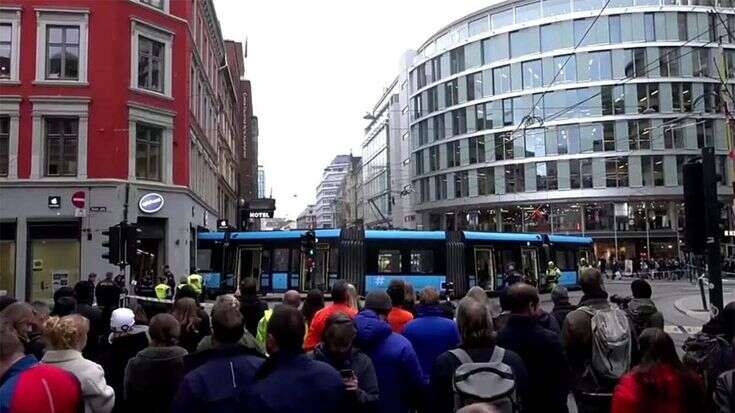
341	304
398	317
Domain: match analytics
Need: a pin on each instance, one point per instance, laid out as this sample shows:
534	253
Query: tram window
280	260
204	260
295	257
333	261
422	261
389	261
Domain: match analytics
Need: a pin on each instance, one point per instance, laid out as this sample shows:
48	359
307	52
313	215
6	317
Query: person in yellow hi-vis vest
163	290
292	298
195	281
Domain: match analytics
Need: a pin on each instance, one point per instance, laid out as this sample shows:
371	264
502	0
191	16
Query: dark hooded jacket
396	365
152	378
366	398
547	321
561	310
221	381
115	360
644	314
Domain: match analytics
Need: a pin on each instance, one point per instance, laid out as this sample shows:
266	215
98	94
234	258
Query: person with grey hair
477	339
430	333
562	306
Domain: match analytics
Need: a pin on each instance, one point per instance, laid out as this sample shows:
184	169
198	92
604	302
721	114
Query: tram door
485	268
318	277
529	264
249	264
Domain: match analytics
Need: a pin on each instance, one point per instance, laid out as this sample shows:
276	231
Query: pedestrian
84	293
641	309
196	282
65	338
20	315
340	304
553	274
292	298
91	281
479	295
193	327
313	386
41	310
562	306
660	383
221	377
162	289
313	303
29	387
430	333
126	340
251	306
397	367
593	383
169	277
355	367
247	341
539	348
547	321
107	293
409	303
64	306
724	396
477	343
354	298
6	300
154	375
398	316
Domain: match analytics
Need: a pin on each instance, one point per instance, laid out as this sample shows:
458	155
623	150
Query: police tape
151	299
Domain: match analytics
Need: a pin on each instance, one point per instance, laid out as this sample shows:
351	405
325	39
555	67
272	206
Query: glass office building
555	116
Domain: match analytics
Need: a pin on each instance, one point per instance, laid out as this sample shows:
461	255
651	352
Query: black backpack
709	356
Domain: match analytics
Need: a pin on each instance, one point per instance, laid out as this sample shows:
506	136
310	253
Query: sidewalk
691	306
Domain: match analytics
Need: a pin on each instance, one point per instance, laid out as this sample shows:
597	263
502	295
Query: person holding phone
355	367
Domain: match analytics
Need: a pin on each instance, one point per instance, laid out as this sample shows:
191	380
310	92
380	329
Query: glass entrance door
485	268
529	264
54	264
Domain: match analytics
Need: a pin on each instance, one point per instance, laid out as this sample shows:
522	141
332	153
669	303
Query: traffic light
131	242
112	244
308	247
695	228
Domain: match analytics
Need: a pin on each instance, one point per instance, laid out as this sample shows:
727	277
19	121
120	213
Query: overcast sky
316	67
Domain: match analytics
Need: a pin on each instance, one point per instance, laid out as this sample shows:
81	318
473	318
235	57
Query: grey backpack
491	382
612	344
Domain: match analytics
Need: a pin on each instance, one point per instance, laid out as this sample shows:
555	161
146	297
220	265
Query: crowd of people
395	351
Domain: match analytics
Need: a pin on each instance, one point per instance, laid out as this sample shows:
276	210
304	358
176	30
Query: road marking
676	329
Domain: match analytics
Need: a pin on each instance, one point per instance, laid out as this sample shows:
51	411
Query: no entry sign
78	199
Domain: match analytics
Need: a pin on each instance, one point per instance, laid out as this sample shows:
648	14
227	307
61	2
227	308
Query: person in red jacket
660	384
341	304
398	316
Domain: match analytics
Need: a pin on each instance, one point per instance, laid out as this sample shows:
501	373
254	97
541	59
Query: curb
699	315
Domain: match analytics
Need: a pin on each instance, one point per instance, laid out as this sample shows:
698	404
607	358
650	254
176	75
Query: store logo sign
150	203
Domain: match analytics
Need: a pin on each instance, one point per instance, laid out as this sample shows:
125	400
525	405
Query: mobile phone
347	373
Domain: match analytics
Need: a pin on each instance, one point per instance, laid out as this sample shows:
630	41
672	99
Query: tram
370	259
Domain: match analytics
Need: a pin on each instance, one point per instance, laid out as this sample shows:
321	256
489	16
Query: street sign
80	212
150	203
98	209
78	199
54	202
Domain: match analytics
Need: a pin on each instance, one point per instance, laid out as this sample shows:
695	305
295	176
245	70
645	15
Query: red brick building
117	100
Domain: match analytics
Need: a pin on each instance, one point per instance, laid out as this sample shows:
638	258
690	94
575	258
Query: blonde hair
66	333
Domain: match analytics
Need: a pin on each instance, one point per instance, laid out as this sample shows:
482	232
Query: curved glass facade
537	117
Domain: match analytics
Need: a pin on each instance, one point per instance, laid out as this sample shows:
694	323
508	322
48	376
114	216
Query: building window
535	143
480	119
451	93
649	25
514	178
585	166
674	136
501	80
532	74
503	146
647	97
432	100
61	146
434	158
424	189
681	97
608	136
639	134
546	176
6	50
616	172
700	62
438	125
421	76
496	48
486	181
148	152
681	24
441	187
436	69
705	133
154	3
574	174
652	169
566	68
669	61
567	139
151	61
453	154
62	52
508	111
423	132
595	66
419	162
459	121
456	60
474	86
524	41
477	149
4	144
615	32
636	64
461	184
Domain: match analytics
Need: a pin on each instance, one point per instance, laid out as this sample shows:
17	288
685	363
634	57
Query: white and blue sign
150	203
380	282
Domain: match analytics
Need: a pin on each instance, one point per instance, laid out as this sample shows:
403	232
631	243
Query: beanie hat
378	300
122	320
559	293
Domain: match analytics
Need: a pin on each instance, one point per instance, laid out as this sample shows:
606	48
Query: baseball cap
122	320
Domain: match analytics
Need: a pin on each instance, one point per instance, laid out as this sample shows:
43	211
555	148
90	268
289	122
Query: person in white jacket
65	339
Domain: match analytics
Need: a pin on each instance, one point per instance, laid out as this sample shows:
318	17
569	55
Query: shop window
598	217
567	218
512	219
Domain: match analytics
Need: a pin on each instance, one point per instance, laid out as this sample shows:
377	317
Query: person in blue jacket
289	381
222	377
400	379
430	333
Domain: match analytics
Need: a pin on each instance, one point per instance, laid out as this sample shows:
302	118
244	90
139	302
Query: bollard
702	280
